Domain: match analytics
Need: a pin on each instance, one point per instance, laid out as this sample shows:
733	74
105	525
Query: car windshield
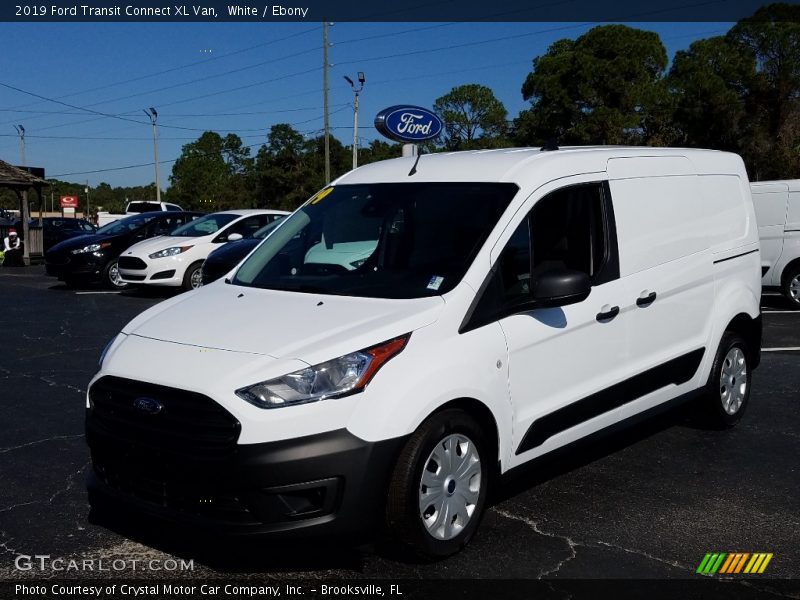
125	225
267	229
389	240
205	225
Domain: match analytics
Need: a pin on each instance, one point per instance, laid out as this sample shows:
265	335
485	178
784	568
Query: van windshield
388	240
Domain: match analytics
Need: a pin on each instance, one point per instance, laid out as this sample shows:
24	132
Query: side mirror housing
235	237
560	287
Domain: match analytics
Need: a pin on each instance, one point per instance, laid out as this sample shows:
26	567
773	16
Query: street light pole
153	114
21	132
356	93
325	124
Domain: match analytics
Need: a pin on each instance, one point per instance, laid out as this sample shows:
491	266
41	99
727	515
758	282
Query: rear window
140	207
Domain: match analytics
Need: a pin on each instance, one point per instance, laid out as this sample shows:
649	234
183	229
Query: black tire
791	286
189	275
110	276
404	515
722	391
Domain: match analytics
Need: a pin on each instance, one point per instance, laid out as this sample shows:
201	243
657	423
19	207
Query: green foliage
212	174
601	88
711	83
473	118
772	38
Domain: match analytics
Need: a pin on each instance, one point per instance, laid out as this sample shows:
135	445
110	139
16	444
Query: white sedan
175	259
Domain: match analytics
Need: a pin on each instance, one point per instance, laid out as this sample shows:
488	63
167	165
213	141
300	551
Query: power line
185	66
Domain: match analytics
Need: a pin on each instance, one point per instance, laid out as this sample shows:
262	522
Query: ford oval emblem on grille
148	406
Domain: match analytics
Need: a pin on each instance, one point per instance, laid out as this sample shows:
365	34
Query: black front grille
130	277
180	458
131	262
189	424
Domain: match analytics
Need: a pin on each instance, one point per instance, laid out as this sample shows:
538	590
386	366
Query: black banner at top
363	10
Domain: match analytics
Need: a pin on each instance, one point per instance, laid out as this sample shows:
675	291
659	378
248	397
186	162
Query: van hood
309	327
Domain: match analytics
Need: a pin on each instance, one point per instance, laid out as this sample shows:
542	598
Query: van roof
791	185
514	164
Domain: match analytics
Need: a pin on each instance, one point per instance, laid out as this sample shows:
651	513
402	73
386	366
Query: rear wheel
791	287
111	278
728	387
193	278
438	488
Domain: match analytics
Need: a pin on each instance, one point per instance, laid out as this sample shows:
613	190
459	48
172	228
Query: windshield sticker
435	282
320	195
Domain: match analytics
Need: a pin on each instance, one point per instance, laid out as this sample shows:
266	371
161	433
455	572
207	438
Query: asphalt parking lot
646	503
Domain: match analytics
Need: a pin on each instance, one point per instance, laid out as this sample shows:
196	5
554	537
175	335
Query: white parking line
84	293
789	349
781	312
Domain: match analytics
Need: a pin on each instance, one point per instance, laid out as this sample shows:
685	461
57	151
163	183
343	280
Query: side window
514	265
569	230
249	225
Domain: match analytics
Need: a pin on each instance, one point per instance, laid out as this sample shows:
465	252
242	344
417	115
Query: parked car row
151	248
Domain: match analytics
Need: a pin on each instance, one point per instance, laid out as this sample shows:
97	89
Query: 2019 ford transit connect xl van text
424	324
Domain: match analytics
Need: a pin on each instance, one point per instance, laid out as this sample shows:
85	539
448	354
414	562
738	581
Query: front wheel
438	489
193	278
728	387
111	277
791	287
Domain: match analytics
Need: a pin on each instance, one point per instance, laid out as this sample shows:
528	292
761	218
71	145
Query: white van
778	214
477	310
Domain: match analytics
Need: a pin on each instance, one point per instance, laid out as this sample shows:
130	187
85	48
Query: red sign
69	202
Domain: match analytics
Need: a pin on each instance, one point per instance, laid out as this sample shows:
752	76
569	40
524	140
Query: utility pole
356	92
88	211
325	124
153	114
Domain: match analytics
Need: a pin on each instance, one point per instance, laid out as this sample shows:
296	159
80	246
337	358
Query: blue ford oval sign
408	124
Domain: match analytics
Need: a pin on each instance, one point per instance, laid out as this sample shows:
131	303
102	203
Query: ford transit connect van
424	324
777	206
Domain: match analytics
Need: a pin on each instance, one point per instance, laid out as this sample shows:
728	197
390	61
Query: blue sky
243	78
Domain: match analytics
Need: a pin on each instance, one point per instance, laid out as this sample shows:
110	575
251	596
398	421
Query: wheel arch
482	415
788	268
750	329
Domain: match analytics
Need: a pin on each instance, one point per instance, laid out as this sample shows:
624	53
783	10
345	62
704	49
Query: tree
710	83
605	87
212	173
473	118
772	37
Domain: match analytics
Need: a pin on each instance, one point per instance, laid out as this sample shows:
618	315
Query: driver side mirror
560	287
235	237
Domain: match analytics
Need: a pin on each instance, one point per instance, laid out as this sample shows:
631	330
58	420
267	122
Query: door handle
644	301
608	314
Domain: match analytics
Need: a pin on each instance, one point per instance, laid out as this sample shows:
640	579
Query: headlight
91	248
105	350
175	250
335	378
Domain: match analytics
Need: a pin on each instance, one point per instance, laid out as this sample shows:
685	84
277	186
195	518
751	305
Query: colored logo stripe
733	563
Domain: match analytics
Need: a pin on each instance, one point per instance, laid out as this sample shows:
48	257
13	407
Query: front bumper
65	265
328	484
160	271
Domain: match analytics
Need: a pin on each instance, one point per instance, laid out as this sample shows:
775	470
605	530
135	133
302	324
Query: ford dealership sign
408	124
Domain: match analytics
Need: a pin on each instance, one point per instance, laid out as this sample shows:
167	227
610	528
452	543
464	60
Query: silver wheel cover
450	487
733	380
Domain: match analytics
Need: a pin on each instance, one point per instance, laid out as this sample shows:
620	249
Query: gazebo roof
15	178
